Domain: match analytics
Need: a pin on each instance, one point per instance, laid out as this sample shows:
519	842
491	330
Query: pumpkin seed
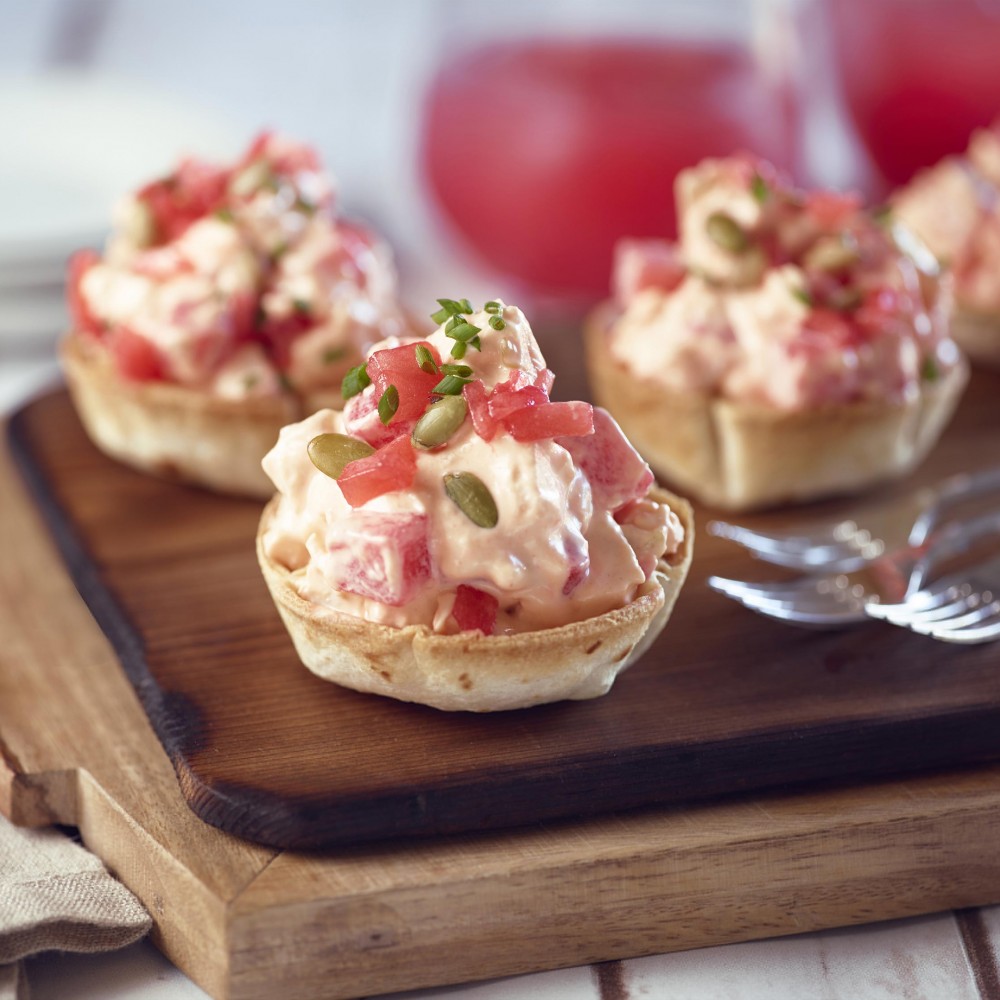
331	452
833	254
439	422
726	232
472	497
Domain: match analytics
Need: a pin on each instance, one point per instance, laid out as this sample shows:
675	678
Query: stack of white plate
72	145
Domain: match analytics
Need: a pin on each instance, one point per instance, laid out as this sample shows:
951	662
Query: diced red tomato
284	155
831	210
361	420
617	473
641	264
879	307
193	191
390	468
398	366
503	403
544	380
475	609
83	319
550	420
135	357
477	400
383	557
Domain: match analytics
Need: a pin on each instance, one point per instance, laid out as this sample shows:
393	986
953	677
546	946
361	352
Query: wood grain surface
248	922
724	701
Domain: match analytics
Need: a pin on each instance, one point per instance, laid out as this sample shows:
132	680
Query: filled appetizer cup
455	538
784	349
228	301
954	208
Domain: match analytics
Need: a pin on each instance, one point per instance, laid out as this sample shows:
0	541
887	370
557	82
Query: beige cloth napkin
56	895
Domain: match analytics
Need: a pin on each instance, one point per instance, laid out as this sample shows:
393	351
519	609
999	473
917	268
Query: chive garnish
450	385
458	350
463	331
759	188
425	360
462	371
929	371
492	307
388	404
355	381
224	214
301	306
497	323
332	354
803	296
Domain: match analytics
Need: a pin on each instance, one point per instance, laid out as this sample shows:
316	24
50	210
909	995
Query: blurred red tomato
917	77
543	153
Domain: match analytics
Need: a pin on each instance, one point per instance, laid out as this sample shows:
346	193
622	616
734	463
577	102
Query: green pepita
331	452
834	254
439	422
472	497
726	232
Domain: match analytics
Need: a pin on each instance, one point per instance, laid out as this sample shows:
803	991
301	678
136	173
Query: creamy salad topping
954	207
237	280
778	297
452	492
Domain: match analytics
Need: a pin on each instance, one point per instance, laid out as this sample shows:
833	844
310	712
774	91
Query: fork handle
952	540
946	494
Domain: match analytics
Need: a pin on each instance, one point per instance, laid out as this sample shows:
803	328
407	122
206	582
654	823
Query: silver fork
836	600
963	607
845	547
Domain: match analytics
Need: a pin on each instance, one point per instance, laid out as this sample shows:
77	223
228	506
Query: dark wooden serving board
724	702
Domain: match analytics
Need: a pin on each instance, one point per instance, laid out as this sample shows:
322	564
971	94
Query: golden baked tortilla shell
471	671
172	431
739	456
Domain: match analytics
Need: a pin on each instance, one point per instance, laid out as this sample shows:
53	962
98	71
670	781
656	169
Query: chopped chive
759	188
464	331
929	371
476	343
440	316
224	214
458	350
450	385
452	323
425	360
332	354
305	206
355	381
251	381
462	371
882	214
302	306
279	251
803	296
465	305
388	404
492	306
497	323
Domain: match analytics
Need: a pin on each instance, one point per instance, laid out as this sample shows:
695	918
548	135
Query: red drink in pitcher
543	153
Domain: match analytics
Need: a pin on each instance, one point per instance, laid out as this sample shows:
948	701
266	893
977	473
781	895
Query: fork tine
940	613
837	548
980	615
807	601
923	600
986	631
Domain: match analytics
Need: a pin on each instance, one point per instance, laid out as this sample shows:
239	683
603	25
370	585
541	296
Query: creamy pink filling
575	536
